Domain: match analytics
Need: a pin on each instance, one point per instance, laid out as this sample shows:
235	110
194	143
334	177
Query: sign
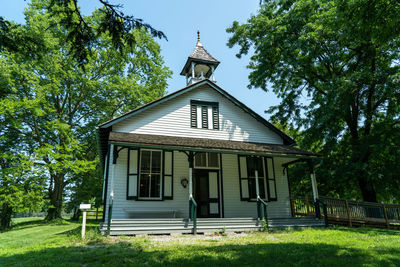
84	206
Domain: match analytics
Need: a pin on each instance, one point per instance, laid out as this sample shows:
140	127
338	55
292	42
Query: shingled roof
213	145
201	53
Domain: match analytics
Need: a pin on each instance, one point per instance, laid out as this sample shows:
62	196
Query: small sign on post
84	208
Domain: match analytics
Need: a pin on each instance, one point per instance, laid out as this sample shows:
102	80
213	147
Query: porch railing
349	212
262	210
193	213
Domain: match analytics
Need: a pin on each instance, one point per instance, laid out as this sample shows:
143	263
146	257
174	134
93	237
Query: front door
205	192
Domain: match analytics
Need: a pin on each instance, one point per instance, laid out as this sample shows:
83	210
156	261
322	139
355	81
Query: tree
80	33
54	105
343	56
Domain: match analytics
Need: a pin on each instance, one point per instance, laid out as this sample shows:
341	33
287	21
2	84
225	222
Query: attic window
204	115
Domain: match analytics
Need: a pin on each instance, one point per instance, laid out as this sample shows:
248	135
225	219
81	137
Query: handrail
193	213
348	212
324	210
262	210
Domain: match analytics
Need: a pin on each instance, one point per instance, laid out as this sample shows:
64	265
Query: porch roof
210	145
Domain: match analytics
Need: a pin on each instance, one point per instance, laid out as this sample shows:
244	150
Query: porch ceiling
210	145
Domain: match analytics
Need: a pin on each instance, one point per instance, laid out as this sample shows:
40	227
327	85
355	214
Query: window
266	178
150	174
204	115
206	160
254	164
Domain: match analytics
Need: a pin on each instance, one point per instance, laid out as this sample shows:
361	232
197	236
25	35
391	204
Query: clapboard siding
234	207
172	118
180	199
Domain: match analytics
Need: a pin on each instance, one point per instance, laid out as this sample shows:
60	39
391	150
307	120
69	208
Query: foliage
81	34
39	243
53	105
335	66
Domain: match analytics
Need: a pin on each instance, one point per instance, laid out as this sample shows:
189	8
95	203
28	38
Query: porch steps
204	225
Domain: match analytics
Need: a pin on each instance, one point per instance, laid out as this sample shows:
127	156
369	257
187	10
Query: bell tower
200	64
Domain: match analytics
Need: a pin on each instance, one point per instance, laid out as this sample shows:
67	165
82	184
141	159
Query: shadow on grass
27	224
141	253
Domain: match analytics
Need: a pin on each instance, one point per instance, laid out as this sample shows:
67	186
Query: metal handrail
262	210
193	213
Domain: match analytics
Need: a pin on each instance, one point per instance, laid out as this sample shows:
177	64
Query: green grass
35	243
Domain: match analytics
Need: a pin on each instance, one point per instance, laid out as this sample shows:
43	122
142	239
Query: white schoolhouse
190	161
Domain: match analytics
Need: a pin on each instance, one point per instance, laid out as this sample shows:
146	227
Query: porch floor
179	225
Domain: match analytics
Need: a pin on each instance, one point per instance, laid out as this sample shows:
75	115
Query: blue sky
180	20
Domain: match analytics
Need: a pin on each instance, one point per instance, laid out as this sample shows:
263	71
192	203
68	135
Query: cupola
200	64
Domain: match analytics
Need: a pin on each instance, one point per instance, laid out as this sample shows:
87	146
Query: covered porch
204	184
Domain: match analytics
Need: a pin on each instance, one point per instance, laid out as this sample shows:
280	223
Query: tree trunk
77	214
5	217
367	189
56	198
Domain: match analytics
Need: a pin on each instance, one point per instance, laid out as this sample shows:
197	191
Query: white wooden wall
233	206
172	118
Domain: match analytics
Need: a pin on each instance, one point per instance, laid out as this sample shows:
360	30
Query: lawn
35	243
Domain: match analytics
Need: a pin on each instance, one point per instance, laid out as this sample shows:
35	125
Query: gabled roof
105	128
286	139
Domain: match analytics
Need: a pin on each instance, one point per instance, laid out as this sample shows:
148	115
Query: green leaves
50	106
341	59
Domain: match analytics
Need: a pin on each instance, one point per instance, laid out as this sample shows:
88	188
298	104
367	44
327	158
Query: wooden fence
94	214
349	212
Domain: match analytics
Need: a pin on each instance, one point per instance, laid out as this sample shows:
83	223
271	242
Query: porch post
257	185
110	202
313	181
191	158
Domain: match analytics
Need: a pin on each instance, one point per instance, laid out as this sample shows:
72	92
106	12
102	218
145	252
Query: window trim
214	106
161	176
266	179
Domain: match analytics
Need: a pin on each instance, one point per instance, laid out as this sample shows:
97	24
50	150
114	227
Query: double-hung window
266	178
150	174
204	115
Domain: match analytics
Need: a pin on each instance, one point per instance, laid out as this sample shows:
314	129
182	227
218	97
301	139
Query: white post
212	74
257	185
190	183
192	69
83	224
314	186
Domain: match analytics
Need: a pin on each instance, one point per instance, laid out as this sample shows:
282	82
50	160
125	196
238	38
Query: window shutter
204	117
271	184
168	175
193	116
215	117
243	179
132	177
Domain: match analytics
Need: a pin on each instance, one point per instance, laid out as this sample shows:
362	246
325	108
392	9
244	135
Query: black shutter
215	113
193	116
204	117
